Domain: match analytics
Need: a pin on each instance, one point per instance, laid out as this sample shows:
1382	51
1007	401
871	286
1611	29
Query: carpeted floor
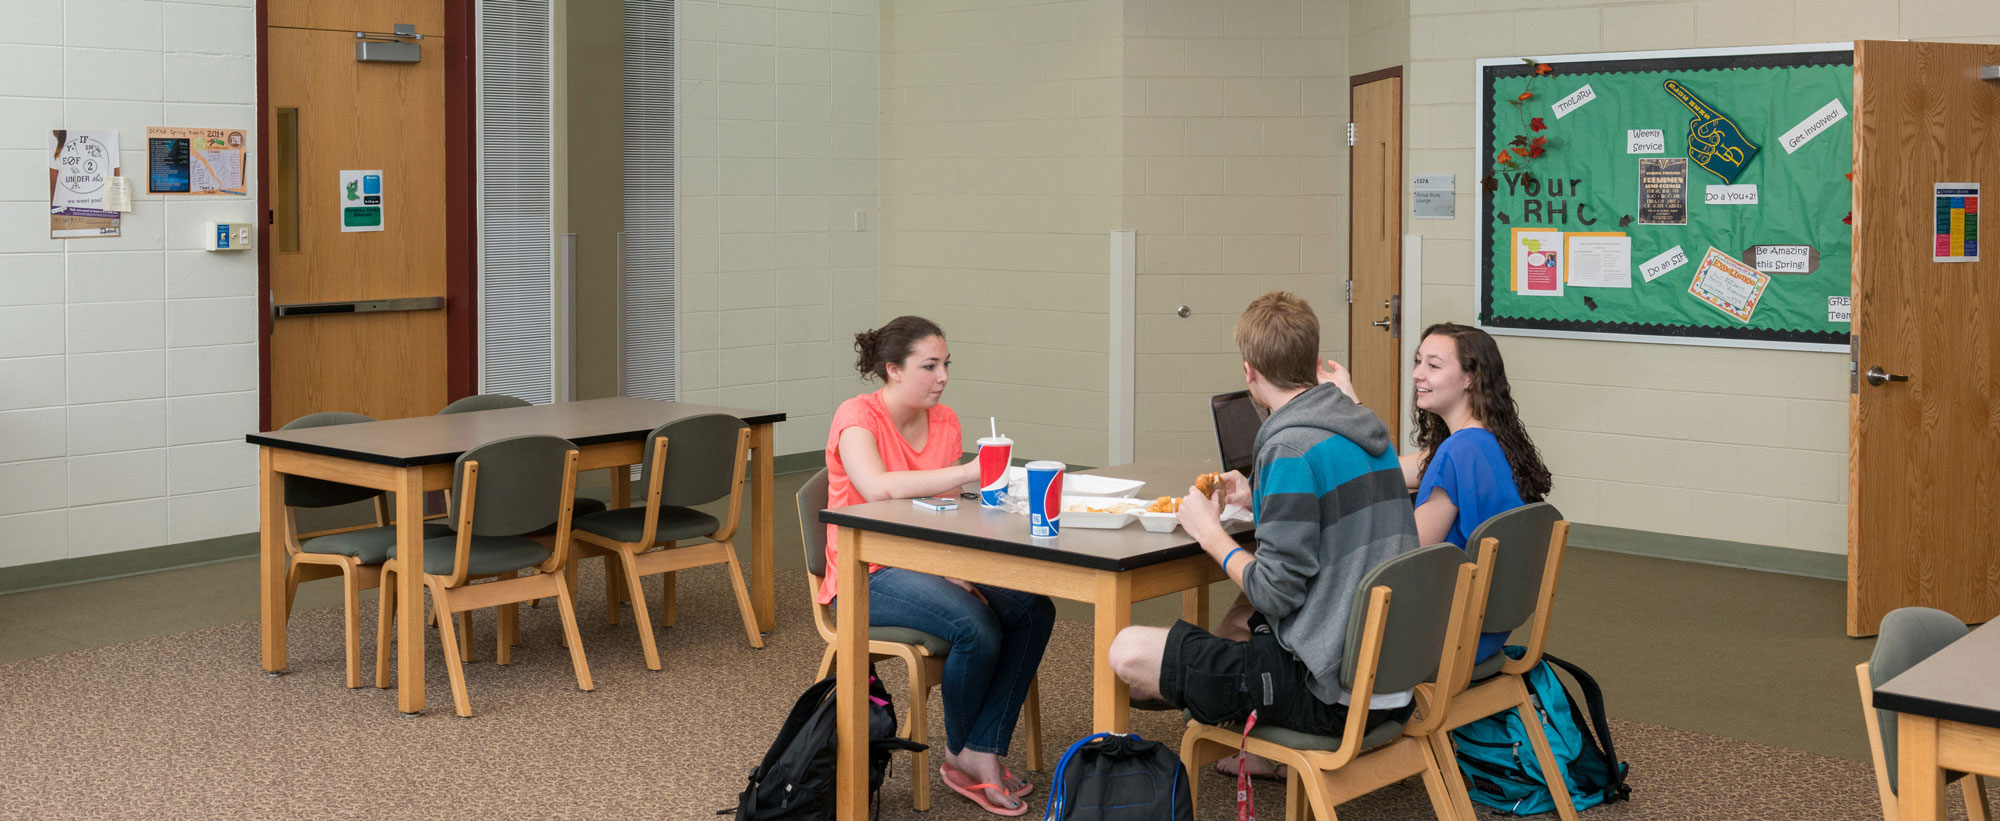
186	726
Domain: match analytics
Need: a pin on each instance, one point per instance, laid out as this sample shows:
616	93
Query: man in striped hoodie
1330	504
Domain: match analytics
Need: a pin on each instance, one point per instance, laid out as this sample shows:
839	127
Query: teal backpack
1499	763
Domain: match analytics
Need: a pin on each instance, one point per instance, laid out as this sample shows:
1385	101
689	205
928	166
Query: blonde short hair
1279	336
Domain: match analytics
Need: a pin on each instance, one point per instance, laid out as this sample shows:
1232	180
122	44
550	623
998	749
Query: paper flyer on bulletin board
1639	163
195	161
81	164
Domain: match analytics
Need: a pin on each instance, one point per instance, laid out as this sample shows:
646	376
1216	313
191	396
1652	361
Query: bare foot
984	768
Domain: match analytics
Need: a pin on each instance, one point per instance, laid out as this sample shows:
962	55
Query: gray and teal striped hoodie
1330	505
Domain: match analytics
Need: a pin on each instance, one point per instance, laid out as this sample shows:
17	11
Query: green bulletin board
1583	178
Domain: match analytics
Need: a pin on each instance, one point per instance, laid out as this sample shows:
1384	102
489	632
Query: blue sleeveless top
1473	472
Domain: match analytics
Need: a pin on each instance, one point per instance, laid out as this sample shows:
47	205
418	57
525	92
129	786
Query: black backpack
1113	777
795	782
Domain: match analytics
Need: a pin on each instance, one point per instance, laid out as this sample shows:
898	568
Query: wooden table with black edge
1948	718
1108	569
413	455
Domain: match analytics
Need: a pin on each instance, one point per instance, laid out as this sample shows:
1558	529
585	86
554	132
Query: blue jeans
995	648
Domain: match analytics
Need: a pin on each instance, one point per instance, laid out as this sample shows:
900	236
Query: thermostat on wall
228	236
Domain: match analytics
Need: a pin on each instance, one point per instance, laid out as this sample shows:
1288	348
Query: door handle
427	303
1382	323
1877	376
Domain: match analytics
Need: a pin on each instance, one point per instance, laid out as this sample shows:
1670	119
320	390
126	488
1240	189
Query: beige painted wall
1235	180
1001	181
1629	429
779	131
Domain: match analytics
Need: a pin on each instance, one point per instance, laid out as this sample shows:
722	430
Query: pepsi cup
995	453
1045	483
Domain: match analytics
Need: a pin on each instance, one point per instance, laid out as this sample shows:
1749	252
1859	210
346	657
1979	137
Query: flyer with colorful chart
1957	222
202	161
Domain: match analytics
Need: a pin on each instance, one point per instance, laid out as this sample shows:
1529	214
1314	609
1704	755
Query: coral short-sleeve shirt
942	448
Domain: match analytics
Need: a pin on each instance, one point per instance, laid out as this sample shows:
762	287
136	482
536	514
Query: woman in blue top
1473	457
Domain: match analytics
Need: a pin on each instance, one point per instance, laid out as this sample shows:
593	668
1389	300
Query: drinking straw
995	422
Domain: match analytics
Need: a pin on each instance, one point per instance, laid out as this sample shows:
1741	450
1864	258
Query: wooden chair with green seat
1909	635
1530	540
1410	617
501	492
584	505
355	554
690	461
922	652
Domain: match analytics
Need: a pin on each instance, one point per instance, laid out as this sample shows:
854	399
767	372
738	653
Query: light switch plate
229	236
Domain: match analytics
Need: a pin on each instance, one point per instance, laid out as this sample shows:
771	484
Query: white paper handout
1813	126
1728	285
1599	260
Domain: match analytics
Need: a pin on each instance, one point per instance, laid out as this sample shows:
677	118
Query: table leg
271	561
410	591
851	666
1194	606
1110	698
763	597
1919	781
621	487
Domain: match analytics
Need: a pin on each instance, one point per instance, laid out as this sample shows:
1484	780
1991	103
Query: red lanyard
1245	809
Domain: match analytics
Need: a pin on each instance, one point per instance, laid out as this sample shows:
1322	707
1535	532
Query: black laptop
1237	418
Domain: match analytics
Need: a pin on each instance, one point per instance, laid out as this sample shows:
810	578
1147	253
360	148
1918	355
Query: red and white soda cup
995	454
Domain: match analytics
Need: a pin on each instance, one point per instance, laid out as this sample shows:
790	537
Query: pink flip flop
1026	789
976	793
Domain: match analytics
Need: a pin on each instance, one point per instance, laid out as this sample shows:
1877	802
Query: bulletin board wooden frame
1662	311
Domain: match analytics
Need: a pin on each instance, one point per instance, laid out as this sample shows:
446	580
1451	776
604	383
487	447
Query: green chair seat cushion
370	546
904	635
628	524
1490	667
583	506
489	554
1380	735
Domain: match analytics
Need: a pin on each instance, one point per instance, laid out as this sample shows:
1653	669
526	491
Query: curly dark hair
876	349
1492	404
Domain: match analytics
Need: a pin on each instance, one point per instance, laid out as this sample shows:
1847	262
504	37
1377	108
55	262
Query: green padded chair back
520	484
1909	635
812	500
699	454
484	401
1517	568
1421	585
301	491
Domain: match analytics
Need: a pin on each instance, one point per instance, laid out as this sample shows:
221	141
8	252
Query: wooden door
1375	232
326	113
1924	463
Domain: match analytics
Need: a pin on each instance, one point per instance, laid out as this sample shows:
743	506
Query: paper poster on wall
1745	194
200	161
360	201
1574	101
1598	259
1957	222
1839	309
1663	191
1645	141
1728	285
1538	262
80	165
1782	259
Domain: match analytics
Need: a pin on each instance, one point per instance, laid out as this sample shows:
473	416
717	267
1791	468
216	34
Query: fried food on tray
1126	507
1164	504
1207	483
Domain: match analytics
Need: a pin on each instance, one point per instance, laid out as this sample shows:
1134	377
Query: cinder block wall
128	366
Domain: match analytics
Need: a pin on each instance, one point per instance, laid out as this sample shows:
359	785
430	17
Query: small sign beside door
1432	196
360	201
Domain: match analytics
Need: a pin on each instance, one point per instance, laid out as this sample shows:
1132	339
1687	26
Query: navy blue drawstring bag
1113	777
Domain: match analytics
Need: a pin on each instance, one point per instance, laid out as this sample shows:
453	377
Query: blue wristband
1227	556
